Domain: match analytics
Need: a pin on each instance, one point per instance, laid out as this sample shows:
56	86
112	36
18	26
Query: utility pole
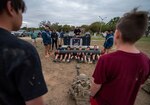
102	20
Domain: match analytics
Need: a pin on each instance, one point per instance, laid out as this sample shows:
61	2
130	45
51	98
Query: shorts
47	42
107	47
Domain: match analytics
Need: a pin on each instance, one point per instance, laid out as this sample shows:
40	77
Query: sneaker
71	57
63	60
68	61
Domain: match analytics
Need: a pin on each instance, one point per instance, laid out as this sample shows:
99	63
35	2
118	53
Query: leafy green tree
85	27
66	28
112	23
24	28
103	27
95	27
72	28
55	26
60	28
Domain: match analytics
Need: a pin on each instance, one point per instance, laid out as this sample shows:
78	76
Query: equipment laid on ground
80	51
79	90
92	50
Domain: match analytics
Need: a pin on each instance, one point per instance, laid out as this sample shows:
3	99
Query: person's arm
44	35
99	77
94	88
36	101
52	35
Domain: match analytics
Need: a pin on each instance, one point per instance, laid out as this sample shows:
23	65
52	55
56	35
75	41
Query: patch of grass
145	39
144	45
97	38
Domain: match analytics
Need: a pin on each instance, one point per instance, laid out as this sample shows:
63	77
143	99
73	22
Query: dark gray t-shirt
21	77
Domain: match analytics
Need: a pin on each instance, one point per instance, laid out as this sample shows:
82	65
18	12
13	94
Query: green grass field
143	44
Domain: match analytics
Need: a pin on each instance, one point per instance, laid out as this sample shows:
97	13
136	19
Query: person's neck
130	48
5	25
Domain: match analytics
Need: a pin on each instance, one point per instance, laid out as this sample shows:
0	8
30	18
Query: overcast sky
78	12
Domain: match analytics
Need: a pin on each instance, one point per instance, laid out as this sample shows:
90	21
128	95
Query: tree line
95	27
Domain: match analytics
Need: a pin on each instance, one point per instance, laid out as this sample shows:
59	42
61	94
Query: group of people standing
51	38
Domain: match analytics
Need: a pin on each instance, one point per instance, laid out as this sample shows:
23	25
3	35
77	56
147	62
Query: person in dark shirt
109	40
54	39
77	31
21	78
119	75
46	36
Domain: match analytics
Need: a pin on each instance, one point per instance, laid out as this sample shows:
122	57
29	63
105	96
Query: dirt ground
59	76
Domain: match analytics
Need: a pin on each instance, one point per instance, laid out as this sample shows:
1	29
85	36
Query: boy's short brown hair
133	25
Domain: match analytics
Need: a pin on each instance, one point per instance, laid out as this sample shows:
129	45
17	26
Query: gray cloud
77	12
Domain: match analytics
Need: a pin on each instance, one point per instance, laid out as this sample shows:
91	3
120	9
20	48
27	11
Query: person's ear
10	9
117	34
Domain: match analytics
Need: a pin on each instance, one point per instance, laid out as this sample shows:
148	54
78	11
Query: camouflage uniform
79	90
